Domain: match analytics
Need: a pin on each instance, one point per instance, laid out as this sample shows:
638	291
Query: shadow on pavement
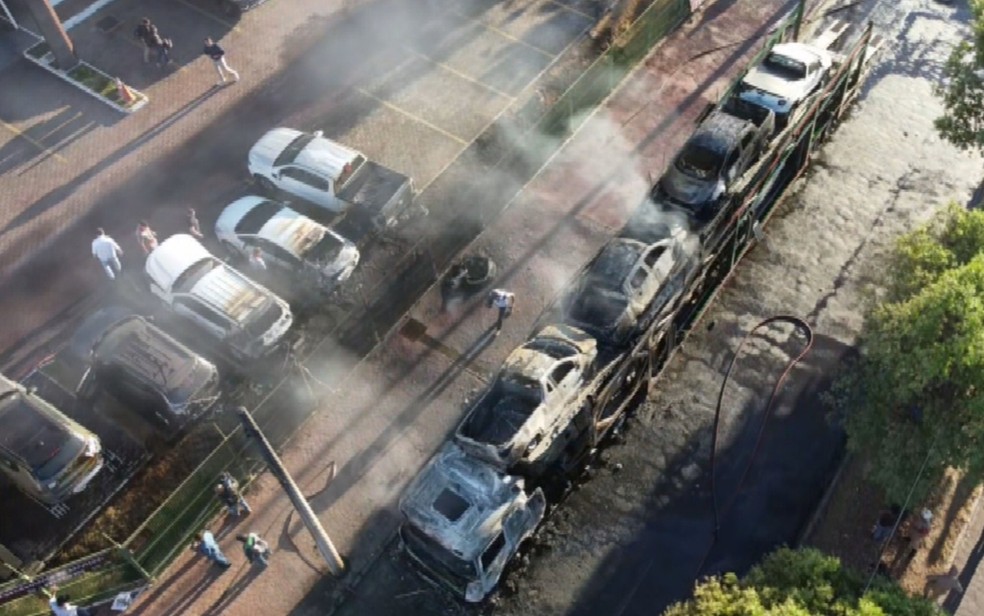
785	481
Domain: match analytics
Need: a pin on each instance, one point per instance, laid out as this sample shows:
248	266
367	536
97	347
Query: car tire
265	184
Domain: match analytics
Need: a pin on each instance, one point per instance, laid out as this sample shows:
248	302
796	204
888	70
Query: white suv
250	319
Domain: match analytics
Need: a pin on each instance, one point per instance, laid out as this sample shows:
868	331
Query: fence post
128	557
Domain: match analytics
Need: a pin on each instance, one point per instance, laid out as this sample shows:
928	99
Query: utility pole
53	32
325	546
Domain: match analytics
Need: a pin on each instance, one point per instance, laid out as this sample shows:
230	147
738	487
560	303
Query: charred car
717	154
288	240
630	284
464	520
148	371
248	318
525	422
46	454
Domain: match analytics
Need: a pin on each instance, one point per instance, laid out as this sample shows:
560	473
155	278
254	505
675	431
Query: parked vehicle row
126	357
560	394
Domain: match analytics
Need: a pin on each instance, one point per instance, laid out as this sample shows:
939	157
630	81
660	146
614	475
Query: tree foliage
915	401
802	582
963	89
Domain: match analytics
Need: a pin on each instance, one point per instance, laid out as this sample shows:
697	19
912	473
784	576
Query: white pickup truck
329	175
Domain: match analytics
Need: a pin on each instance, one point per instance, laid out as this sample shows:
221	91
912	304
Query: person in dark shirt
217	55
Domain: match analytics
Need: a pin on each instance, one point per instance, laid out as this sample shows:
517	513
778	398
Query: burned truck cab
464	520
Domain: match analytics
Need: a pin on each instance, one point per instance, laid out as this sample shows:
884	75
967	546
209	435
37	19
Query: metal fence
155	544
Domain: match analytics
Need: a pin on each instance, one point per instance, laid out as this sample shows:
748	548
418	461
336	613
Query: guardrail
155	544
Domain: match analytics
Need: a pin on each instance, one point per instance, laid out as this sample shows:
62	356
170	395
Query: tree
963	89
803	582
914	402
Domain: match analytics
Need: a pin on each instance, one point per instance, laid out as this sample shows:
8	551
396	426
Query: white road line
502	33
412	116
75	20
458	73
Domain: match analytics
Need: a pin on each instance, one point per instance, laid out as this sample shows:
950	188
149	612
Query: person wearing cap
918	531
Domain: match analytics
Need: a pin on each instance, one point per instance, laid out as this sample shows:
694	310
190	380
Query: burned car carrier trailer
574	382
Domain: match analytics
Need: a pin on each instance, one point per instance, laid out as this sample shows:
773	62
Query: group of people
108	252
255	548
915	531
160	46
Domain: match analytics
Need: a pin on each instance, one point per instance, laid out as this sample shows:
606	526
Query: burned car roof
148	353
459	501
30	432
599	300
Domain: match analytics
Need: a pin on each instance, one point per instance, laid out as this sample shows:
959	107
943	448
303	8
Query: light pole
53	32
325	546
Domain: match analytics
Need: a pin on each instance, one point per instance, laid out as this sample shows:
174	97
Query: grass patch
39	50
94	80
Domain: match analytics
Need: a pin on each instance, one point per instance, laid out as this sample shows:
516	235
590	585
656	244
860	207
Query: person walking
206	545
108	253
940	585
257	550
194	228
503	301
147	33
231	496
886	523
217	55
146	237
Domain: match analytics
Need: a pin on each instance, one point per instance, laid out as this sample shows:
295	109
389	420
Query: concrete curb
45	63
824	500
958	542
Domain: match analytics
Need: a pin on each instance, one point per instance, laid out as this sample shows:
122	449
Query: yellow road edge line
19	133
464	76
211	16
503	34
412	116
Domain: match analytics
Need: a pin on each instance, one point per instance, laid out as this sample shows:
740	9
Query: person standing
256	260
206	545
194	228
217	55
231	496
503	301
146	237
256	549
61	606
108	253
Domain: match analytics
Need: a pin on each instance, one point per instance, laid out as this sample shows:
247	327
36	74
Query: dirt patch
844	528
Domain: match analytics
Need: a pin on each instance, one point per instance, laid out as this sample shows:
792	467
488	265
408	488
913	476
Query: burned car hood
688	190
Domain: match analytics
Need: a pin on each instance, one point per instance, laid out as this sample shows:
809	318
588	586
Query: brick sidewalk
968	560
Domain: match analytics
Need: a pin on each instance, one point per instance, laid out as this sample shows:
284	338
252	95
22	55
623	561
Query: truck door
307	185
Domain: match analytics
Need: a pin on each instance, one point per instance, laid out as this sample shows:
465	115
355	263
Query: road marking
458	73
410	115
62	125
503	33
571	9
19	133
211	16
83	15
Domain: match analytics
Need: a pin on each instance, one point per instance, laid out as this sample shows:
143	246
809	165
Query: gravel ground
883	172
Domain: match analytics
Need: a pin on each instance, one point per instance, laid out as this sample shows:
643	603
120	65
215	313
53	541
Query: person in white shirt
256	260
60	605
108	252
503	301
